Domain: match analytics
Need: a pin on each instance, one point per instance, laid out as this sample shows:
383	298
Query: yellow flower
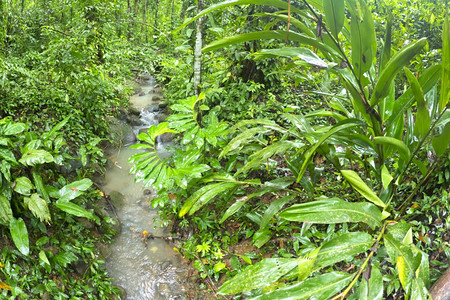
145	233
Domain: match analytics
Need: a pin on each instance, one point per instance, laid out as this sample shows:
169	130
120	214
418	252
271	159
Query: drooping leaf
43	257
5	211
74	209
306	263
361	187
445	83
23	186
12	128
309	153
334	15
398	145
342	247
440	142
302	53
204	195
74	189
333	210
273	209
386	53
40	186
242	138
386	177
258	275
320	287
394	65
38	207
33	157
19	234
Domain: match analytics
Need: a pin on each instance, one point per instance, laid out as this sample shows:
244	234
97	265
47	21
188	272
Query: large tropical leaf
74	189
258	275
23	186
12	128
334	210
445	86
361	187
342	247
372	288
241	139
74	209
440	142
321	287
273	209
397	144
5	211
19	234
34	157
302	53
38	207
334	15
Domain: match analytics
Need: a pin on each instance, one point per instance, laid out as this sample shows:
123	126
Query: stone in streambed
117	199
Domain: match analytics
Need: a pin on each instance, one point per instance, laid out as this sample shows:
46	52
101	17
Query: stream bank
145	267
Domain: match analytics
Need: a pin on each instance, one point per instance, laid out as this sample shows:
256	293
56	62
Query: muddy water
151	270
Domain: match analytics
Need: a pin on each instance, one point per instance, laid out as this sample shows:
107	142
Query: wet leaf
4	286
23	186
74	209
34	157
19	234
5	210
361	187
38	207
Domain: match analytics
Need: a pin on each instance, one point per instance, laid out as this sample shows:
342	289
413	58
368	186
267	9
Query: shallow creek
155	270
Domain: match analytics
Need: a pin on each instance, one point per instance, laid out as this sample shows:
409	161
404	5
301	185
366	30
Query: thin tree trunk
156	13
198	51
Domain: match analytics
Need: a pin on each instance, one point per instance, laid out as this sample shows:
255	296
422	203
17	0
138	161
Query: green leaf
23	186
33	157
261	237
12	128
320	287
422	124
363	38
306	263
19	234
53	132
273	209
394	65
267	35
361	187
74	209
74	189
43	257
5	211
40	186
204	195
402	149
302	53
344	246
334	15
386	178
309	153
237	142
258	275
38	207
7	155
334	210
440	142
445	83
386	53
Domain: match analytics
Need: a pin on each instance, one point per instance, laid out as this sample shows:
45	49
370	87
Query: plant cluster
335	187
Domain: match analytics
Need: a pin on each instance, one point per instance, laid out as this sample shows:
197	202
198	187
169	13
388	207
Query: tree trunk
441	288
198	51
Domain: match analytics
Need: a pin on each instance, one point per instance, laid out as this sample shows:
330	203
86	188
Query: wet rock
164	289
81	267
143	130
117	199
141	94
120	133
128	135
157	98
166	137
147	192
152	108
163	105
165	265
123	114
104	250
134	120
134	85
86	223
161	117
134	111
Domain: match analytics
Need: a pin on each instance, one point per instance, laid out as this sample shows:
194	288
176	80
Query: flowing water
148	269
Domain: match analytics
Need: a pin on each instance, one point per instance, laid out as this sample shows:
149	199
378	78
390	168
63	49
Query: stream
148	269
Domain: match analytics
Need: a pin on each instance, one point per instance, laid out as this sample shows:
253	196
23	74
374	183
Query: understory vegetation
311	143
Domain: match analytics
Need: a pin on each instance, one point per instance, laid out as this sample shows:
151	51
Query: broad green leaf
258	275
386	53
334	15
241	139
344	246
440	142
23	186
53	132
310	152
40	186
333	210
302	53
38	207
399	145
19	234
361	187
204	195
74	209
394	65
273	209
12	128
7	155
445	83
74	189
363	38
320	287
418	290
375	284
267	35
386	177
261	237
33	157
422	124
5	211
